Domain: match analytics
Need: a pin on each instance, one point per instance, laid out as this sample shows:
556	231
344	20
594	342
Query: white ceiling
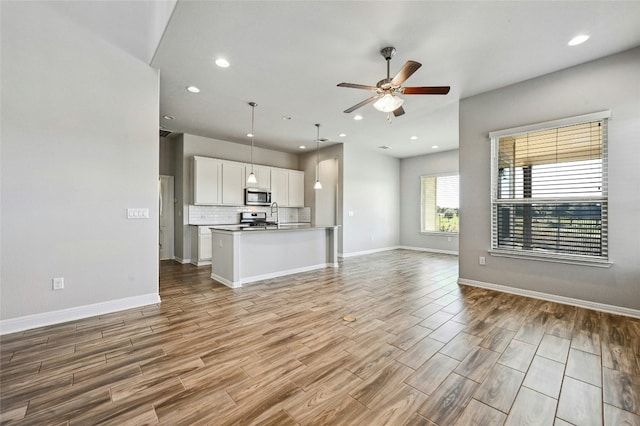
288	56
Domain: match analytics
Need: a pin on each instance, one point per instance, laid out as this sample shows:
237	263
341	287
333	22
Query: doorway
165	208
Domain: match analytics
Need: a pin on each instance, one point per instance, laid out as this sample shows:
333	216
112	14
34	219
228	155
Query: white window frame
436	175
532	255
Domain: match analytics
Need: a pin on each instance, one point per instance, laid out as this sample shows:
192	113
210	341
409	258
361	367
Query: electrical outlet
58	283
482	260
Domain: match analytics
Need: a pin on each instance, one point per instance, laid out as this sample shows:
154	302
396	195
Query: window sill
441	234
553	258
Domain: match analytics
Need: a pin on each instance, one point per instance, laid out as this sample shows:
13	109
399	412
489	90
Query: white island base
244	256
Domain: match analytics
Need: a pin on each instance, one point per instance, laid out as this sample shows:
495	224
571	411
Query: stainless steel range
255	219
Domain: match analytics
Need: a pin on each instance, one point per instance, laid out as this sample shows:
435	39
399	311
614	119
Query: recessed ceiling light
193	89
168	117
358	117
222	63
413	138
250	135
342	135
435	146
579	39
286	117
302	147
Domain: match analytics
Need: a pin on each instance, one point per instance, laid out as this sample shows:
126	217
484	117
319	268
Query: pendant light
252	177
317	185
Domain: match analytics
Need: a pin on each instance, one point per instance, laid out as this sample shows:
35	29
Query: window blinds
550	190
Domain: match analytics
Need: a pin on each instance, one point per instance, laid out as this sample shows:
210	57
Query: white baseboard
361	253
201	263
13	325
430	250
239	283
611	309
183	261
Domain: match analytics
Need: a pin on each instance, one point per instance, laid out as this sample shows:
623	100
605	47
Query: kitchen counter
281	227
242	254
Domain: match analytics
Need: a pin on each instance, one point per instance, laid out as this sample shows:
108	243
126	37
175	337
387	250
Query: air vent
164	133
383	147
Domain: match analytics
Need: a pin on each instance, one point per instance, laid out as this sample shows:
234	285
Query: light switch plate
137	213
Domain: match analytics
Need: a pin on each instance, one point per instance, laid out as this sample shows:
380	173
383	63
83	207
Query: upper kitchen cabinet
207	180
296	189
217	182
232	183
263	176
221	183
287	187
280	186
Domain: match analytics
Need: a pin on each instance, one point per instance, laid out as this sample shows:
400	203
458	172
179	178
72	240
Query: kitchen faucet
274	207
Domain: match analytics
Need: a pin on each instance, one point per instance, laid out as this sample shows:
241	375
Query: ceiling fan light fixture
388	103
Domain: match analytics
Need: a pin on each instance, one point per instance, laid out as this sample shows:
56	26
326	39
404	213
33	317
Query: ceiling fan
387	90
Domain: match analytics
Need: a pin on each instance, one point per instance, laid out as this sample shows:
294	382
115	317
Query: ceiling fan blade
358	86
427	90
398	112
356	106
409	68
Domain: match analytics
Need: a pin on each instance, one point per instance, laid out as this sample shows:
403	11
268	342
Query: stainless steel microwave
257	197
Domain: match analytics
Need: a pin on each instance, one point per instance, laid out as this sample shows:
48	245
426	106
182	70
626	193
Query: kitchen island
242	255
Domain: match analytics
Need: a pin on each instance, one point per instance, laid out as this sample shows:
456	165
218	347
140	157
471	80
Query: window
440	203
549	189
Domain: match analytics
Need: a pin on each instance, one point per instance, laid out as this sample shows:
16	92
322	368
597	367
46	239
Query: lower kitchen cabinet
201	245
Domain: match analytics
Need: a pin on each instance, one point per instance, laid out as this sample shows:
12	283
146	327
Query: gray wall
371	190
611	83
410	171
79	146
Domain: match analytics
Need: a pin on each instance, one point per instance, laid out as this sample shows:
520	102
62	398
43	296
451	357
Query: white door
166	201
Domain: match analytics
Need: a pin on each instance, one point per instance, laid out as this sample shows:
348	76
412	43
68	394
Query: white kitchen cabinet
263	176
217	182
296	189
287	187
280	186
222	182
201	248
204	248
232	183
207	175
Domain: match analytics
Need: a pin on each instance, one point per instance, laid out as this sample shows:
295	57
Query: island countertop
281	227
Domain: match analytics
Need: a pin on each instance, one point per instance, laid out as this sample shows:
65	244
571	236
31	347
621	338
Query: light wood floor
422	351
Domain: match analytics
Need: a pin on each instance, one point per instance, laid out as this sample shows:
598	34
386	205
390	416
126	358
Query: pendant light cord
253	111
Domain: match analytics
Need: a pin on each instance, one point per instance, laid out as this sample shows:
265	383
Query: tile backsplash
226	215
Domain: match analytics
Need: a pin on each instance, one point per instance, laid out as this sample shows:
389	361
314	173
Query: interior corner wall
371	193
411	169
611	83
79	146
